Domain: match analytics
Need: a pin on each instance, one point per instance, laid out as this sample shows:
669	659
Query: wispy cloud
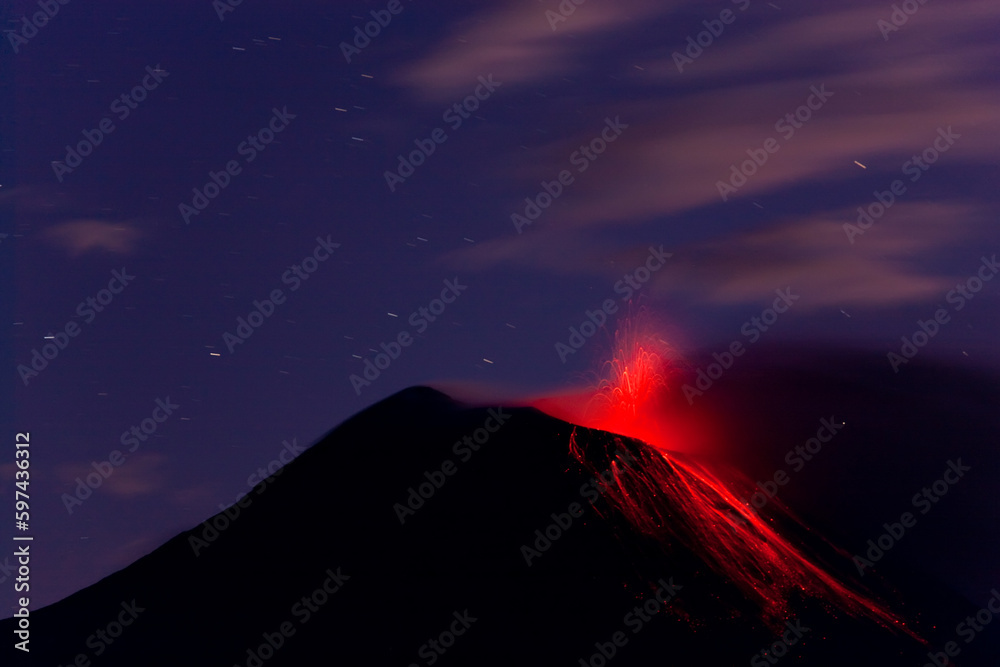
82	236
141	474
883	267
517	45
686	130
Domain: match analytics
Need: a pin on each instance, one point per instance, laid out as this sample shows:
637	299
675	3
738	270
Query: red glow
673	499
635	380
673	494
634	396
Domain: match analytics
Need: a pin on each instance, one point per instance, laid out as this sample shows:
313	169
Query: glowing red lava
675	497
631	397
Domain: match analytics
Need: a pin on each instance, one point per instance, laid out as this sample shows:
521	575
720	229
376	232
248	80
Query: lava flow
672	494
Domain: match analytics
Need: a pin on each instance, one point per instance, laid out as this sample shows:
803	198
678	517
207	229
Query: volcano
428	531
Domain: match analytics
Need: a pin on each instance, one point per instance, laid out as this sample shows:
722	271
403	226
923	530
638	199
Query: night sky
439	204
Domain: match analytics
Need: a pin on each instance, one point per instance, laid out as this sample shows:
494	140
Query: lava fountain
674	495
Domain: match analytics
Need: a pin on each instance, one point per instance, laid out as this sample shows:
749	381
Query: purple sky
597	110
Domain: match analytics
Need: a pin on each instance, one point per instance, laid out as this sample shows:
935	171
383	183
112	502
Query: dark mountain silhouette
445	579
